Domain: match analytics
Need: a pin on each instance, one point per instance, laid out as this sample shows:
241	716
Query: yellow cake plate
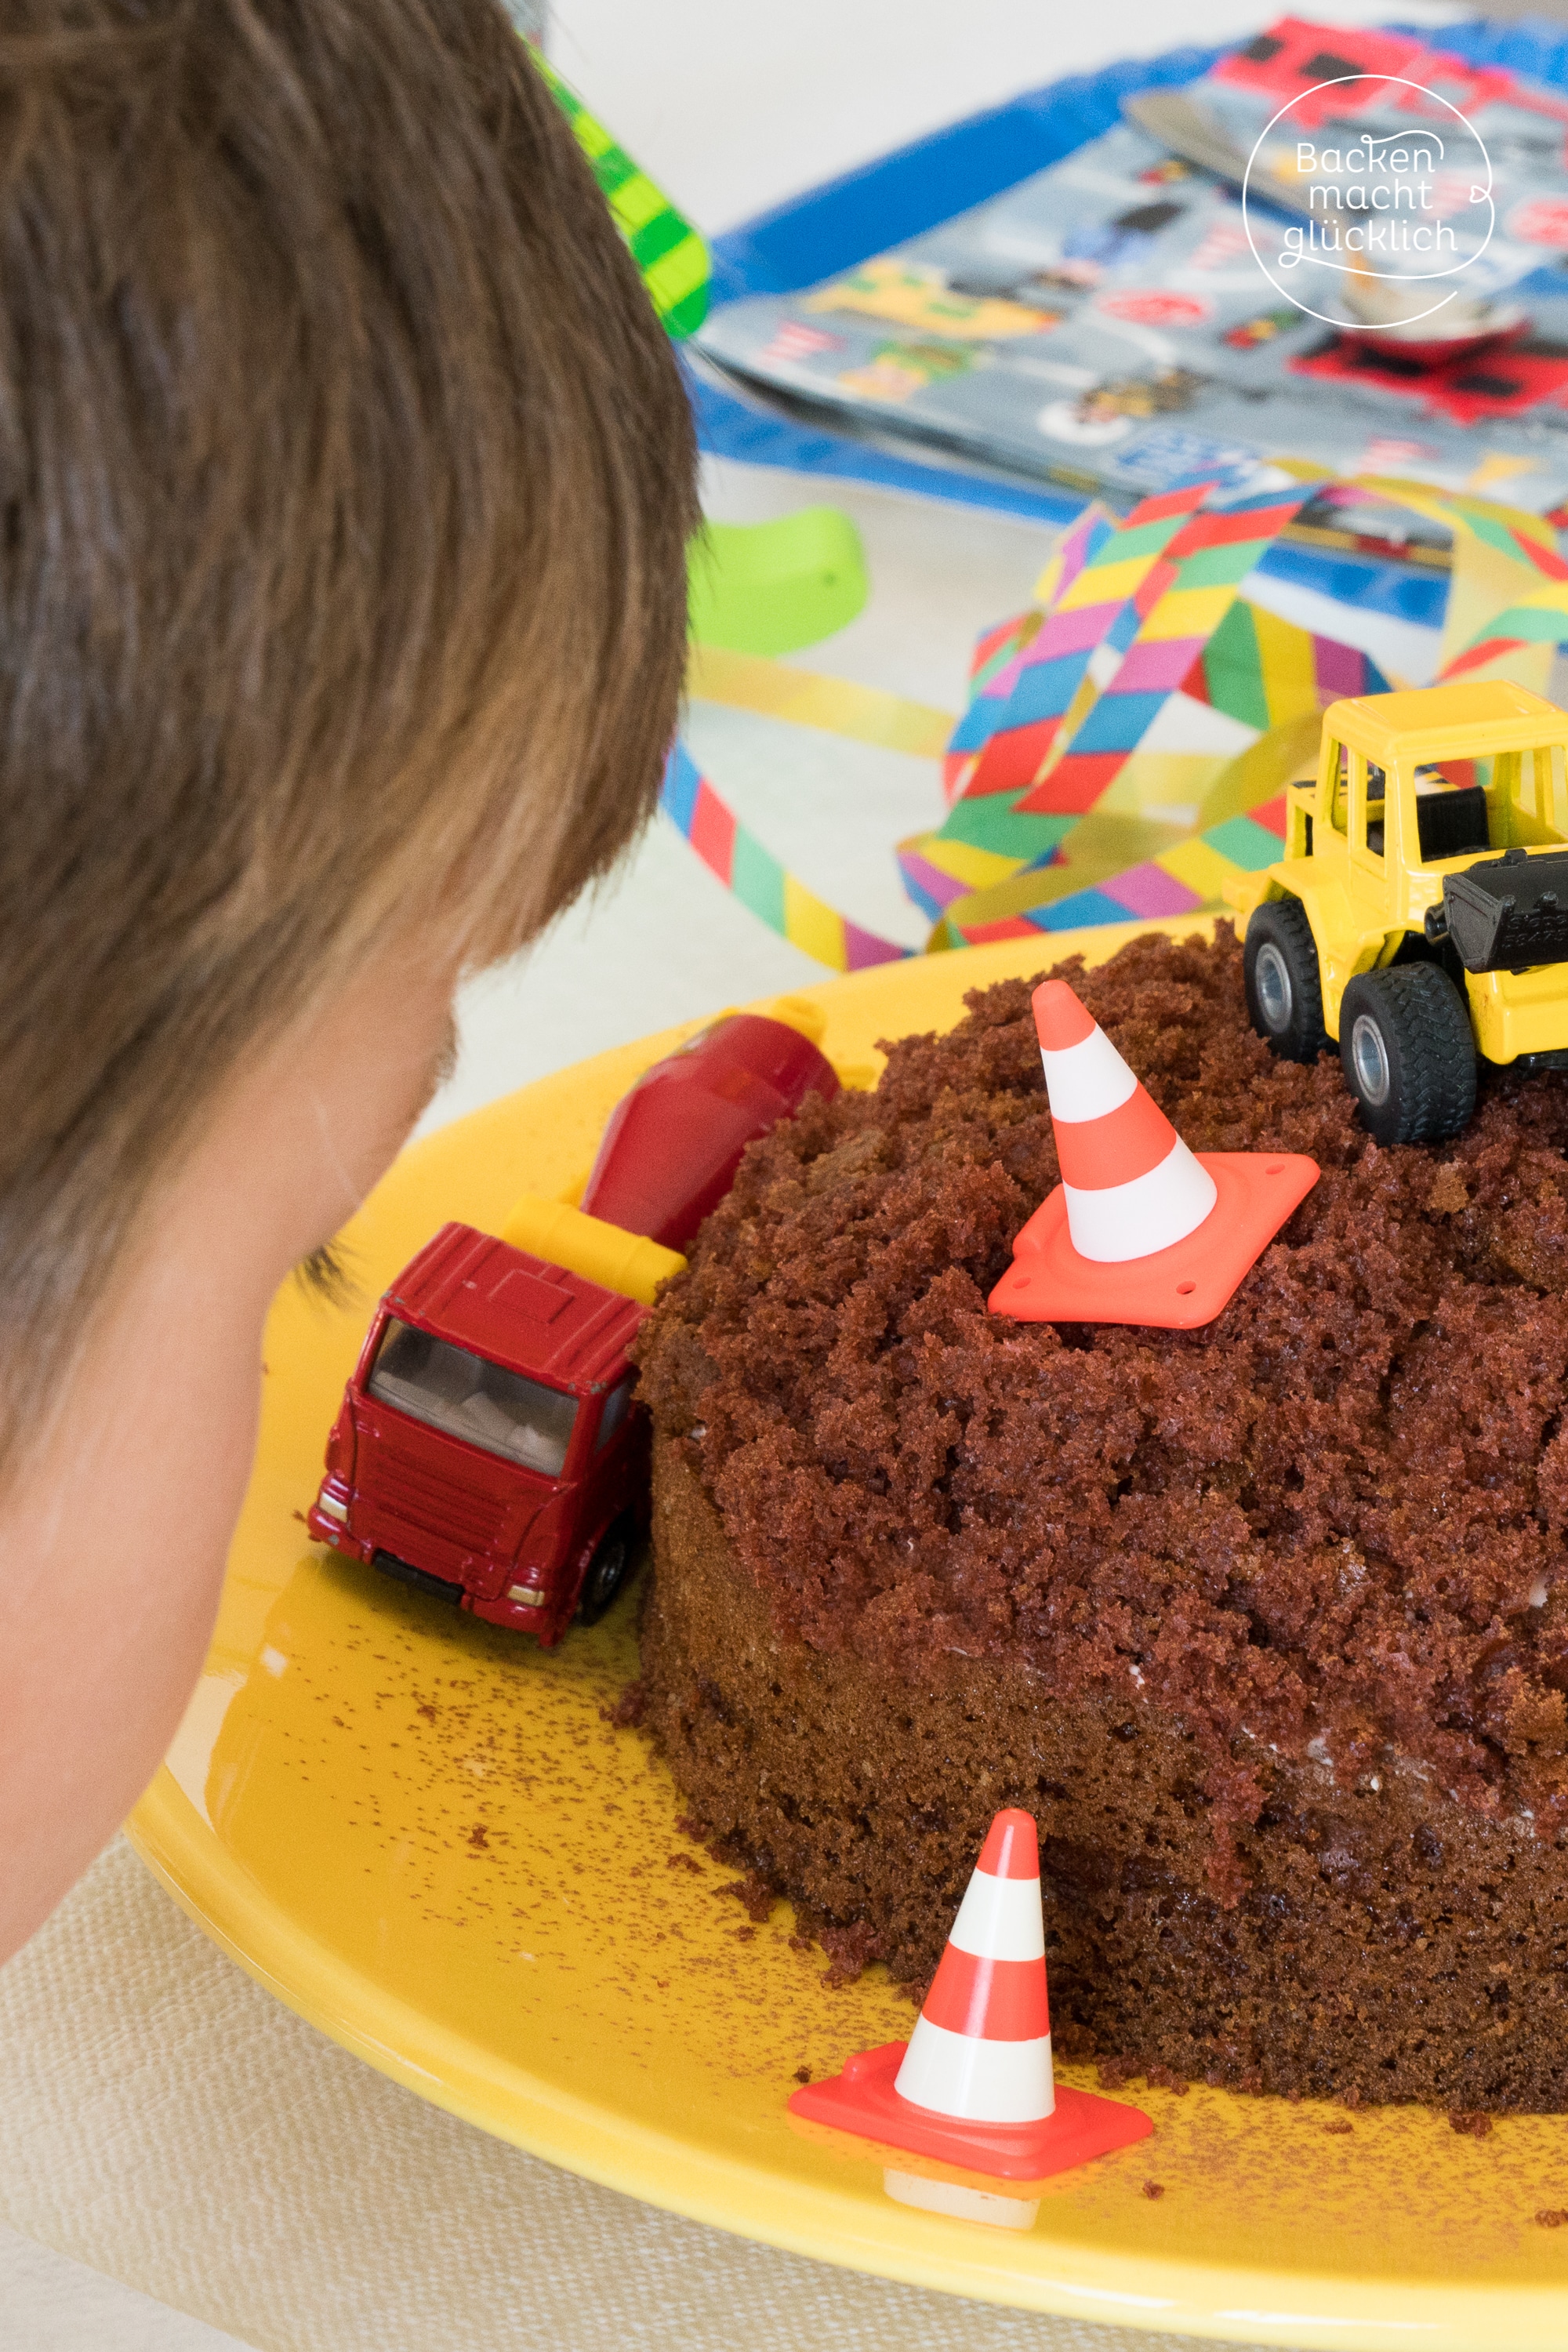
426	1836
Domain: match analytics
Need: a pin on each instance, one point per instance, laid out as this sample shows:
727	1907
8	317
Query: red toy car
489	1448
485	1450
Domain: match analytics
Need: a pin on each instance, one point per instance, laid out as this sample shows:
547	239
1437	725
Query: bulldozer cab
1437	808
1404	801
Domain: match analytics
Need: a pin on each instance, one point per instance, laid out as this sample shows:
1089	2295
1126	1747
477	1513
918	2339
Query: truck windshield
472	1399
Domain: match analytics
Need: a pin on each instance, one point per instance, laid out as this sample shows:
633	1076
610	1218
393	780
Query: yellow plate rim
1193	2296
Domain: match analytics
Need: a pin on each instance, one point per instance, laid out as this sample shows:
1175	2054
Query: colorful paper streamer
1182	601
671	257
745	866
1112	713
1025	686
1178	874
1182	880
1123	749
836	706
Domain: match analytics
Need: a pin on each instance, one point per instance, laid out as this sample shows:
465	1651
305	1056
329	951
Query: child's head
344	483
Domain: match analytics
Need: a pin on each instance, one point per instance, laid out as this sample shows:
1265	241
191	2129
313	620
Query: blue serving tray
862	212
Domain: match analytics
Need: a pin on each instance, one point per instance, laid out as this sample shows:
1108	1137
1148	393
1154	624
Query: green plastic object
772	587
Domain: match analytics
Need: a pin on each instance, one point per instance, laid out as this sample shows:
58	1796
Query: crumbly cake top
1331	1522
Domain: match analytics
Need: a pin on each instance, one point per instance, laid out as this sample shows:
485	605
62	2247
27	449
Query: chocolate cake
1267	1623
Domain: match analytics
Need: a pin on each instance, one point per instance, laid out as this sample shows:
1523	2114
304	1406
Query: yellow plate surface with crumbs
425	1835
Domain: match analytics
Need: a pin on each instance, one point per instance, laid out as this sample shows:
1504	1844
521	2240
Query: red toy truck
489	1449
485	1450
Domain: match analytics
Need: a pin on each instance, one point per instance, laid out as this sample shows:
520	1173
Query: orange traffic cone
973	2084
1140	1229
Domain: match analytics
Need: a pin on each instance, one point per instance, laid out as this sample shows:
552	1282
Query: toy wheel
1408	1054
1284	993
607	1571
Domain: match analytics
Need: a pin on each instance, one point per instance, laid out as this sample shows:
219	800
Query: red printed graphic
1543	221
1151	306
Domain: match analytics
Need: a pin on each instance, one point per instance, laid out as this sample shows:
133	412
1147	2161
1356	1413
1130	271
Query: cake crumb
755	1892
1470	2123
745	1935
1153	2188
1163	2079
626	1712
1114	2073
802	2074
1449	1193
1552	2217
850	1951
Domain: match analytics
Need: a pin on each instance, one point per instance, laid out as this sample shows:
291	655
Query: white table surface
162	2120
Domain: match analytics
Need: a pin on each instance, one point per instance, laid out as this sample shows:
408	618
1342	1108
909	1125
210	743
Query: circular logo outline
1337	81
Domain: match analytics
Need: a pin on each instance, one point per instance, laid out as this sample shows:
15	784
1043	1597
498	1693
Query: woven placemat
169	2124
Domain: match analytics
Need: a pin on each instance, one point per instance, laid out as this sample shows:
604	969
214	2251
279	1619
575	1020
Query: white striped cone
1132	1185
981	2049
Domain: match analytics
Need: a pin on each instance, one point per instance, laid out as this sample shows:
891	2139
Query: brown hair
344	482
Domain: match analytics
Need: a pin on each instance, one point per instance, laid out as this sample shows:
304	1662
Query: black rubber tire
607	1571
1285	1000
1416	1040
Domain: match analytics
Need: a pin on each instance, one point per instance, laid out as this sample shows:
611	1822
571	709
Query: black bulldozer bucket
1507	913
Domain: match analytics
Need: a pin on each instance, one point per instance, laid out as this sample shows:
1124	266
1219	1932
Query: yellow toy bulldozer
1419	916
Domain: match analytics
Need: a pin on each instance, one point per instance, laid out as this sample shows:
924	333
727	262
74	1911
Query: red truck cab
489	1447
486	1449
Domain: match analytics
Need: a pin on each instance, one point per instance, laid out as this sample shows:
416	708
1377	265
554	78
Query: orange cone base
863	2100
1173	1290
